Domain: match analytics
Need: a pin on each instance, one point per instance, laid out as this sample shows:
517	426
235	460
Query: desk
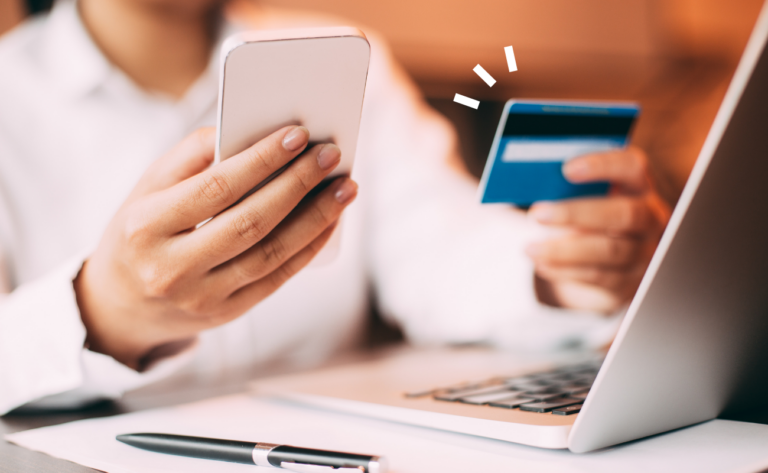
16	459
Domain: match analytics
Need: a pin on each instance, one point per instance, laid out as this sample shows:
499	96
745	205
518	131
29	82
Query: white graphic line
472	103
510	58
484	75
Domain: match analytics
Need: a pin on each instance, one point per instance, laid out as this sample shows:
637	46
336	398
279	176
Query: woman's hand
599	263
156	279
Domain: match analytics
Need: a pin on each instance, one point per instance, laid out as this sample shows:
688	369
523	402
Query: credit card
535	138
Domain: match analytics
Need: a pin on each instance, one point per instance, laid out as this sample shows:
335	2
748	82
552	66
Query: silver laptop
693	344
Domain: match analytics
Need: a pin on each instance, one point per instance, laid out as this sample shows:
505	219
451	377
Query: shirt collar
78	65
69	53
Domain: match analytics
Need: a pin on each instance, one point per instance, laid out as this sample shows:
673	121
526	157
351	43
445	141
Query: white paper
714	446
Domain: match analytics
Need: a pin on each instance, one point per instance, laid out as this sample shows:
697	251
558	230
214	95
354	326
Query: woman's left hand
599	264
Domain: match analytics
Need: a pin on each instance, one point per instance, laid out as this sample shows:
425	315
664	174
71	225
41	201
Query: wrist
104	332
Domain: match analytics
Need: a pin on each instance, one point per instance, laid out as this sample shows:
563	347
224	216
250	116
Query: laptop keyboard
559	391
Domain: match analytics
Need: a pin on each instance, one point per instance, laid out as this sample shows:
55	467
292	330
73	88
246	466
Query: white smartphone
314	77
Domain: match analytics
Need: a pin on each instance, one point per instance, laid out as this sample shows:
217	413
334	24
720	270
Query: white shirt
76	134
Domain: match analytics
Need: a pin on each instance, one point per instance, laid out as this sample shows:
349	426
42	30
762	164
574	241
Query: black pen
260	454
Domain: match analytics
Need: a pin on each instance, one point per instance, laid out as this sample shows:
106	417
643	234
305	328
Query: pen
304	460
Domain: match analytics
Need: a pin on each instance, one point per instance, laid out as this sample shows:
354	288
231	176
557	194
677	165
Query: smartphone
533	140
313	77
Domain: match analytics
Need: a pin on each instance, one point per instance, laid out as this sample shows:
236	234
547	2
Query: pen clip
310	468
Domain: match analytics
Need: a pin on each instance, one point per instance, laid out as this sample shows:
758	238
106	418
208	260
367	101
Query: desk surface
15	459
18	459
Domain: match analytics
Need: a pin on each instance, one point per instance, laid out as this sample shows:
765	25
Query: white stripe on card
484	75
511	62
554	150
472	103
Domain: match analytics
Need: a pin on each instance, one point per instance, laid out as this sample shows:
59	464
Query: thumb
189	157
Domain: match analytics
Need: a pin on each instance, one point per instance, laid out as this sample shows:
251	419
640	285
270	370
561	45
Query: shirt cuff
41	337
105	378
43	362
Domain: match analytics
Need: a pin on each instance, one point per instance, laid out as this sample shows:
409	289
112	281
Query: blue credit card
535	138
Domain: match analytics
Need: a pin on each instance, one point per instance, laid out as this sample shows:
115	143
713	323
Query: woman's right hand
157	279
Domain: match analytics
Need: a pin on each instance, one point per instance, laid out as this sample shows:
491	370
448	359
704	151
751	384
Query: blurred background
673	56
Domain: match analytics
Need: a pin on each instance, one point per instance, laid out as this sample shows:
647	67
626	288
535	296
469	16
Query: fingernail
544	213
576	169
296	138
346	191
329	156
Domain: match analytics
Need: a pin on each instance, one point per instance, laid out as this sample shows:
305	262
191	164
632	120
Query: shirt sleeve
43	362
447	268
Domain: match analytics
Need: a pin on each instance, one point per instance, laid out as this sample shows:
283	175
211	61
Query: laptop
693	344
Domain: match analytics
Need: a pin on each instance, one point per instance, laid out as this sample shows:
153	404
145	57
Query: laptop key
541	397
511	403
547	406
574	389
415	394
579	395
466	386
563	377
480	399
583	381
453	396
518	380
567	410
535	389
546	382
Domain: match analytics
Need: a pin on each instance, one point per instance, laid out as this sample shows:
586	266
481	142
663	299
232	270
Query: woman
111	286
